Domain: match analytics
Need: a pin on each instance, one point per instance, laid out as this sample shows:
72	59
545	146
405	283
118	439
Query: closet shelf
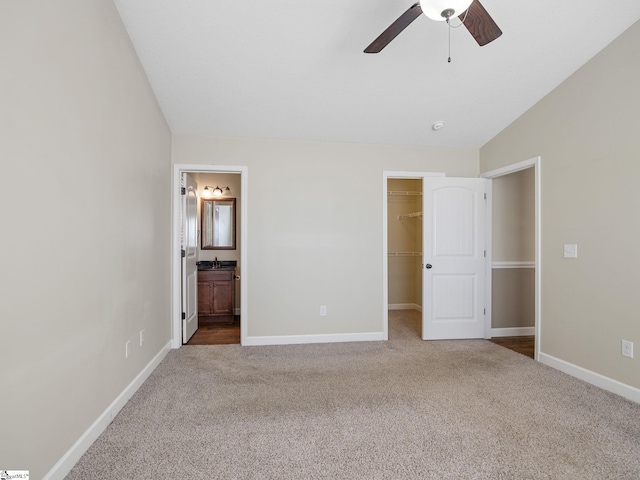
404	254
410	215
400	192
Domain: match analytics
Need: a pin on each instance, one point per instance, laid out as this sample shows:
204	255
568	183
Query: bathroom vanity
216	293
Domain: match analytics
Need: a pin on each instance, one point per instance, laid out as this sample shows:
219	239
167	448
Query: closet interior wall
404	207
513	251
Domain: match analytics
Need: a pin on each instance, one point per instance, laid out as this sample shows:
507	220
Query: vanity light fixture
215	191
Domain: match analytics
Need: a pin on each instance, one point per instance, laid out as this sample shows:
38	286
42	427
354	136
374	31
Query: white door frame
189	278
506	170
176	258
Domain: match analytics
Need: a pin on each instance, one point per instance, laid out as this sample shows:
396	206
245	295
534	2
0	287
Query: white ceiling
290	69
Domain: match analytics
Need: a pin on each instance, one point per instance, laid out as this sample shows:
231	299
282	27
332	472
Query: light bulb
434	8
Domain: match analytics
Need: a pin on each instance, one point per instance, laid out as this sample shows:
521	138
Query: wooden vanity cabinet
216	296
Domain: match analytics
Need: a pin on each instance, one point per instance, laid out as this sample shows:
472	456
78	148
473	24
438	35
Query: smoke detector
437	125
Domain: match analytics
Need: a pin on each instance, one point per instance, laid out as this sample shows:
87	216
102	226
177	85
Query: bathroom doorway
224	329
235	179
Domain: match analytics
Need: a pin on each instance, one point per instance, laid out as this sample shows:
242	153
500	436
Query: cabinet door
222	298
205	291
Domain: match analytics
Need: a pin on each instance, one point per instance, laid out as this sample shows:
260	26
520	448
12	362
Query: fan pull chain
449	28
450	25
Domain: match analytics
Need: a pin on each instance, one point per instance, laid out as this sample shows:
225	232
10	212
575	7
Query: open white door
453	258
189	267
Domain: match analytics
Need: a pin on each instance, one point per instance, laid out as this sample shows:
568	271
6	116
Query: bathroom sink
217	264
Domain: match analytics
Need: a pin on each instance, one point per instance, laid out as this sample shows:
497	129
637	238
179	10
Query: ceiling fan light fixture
435	9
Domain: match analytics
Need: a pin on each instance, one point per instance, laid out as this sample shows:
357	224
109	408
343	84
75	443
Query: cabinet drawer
211	275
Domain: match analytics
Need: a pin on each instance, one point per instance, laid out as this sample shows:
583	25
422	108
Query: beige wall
513	240
232	180
315	226
85	156
586	134
513	223
513	297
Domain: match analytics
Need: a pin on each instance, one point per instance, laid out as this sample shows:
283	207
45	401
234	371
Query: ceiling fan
470	12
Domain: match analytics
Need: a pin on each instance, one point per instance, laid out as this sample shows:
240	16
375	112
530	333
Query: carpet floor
402	409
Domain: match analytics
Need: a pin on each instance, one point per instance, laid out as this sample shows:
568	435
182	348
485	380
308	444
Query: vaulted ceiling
289	69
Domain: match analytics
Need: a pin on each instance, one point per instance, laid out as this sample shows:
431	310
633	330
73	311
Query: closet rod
410	215
404	254
400	192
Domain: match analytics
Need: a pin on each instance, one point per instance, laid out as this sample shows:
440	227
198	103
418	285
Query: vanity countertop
207	265
207	269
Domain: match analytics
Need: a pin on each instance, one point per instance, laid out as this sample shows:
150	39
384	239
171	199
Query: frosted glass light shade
434	8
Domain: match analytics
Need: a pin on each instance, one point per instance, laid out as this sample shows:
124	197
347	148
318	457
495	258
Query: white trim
405	306
386	175
606	383
304	339
488	261
523	264
176	313
513	168
408	175
69	459
513	332
535	163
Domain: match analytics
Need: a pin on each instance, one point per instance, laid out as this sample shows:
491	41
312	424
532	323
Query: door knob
428	266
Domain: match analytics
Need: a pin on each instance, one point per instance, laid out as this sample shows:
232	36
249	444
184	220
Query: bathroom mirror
218	224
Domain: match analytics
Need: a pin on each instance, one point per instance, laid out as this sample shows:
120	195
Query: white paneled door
454	259
189	267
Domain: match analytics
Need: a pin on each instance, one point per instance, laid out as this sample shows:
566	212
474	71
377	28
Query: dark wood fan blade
394	29
480	24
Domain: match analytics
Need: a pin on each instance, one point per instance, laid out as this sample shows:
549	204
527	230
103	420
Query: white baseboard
513	332
69	459
405	306
606	383
302	339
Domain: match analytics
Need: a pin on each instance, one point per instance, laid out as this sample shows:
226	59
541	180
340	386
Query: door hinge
184	315
183	253
485	196
485	254
183	191
485	311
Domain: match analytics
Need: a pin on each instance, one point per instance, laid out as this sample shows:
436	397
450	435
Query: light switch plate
570	251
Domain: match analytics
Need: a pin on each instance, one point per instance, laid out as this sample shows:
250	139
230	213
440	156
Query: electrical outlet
570	251
142	337
323	310
127	349
627	348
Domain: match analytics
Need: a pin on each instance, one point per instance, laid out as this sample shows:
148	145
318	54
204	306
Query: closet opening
404	253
